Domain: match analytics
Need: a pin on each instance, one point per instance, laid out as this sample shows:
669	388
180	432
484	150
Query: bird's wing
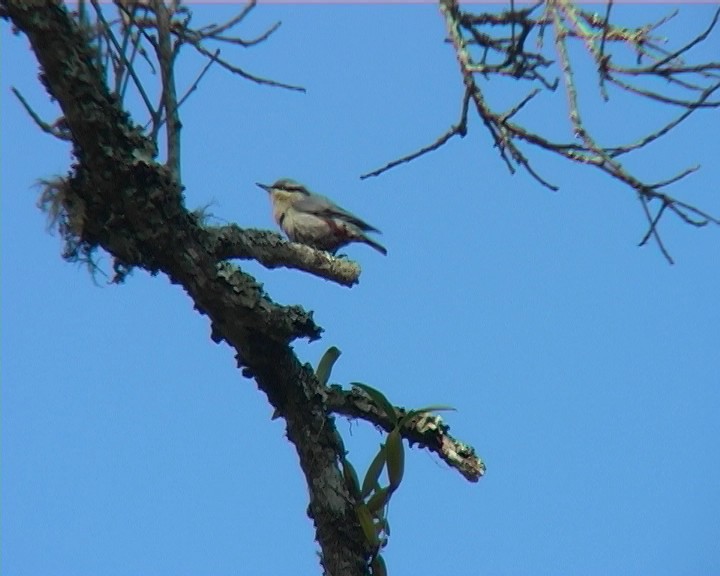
323	206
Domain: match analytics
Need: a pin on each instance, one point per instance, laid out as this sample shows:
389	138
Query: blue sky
585	370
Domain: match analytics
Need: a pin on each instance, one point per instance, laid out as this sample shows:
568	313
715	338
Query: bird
315	220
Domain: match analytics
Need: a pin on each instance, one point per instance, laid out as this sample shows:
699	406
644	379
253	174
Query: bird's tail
370	242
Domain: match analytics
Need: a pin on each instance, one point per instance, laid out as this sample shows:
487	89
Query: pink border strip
432	2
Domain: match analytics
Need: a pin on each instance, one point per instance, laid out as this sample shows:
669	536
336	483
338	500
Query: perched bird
314	220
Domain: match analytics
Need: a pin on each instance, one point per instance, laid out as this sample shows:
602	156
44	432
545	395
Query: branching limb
496	44
429	432
272	251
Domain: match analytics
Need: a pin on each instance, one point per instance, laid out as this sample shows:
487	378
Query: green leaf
380	525
426	410
370	482
378	500
435	408
378	567
380	400
395	454
351	479
367	525
326	364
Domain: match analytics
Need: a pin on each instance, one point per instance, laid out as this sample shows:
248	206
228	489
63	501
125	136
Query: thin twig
667	99
54	129
111	37
652	232
214	30
169	92
694	42
193	87
247	43
653	224
603	59
459	129
519	106
240	72
675	178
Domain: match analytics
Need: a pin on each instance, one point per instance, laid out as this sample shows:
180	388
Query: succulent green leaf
326	364
380	525
378	567
372	476
378	500
435	408
379	398
395	454
351	479
425	410
367	525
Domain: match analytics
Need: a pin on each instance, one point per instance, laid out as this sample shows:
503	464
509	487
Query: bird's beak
263	186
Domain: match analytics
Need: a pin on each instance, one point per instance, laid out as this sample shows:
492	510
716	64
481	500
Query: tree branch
272	251
133	209
428	432
166	60
56	129
496	44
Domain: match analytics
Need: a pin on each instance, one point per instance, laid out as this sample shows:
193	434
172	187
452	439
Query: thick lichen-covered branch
427	430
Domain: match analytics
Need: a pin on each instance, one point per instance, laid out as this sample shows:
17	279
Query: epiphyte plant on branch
315	220
536	46
373	500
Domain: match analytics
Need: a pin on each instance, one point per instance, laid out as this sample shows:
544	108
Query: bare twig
215	29
130	69
603	59
490	44
57	128
247	43
675	178
665	129
459	129
694	42
652	231
515	109
166	60
240	72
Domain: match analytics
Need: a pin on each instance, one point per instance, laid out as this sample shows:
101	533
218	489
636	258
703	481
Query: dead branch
490	45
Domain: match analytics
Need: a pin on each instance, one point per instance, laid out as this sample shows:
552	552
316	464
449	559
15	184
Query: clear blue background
585	370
